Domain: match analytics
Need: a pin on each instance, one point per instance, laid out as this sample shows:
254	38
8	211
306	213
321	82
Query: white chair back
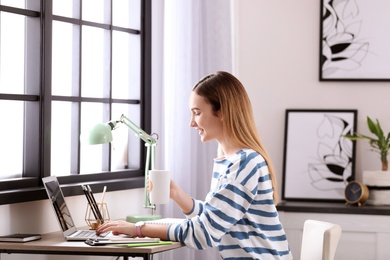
319	240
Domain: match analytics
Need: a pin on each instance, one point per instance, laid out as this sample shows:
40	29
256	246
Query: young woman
239	215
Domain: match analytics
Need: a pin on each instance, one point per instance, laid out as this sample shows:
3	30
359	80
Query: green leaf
388	140
379	129
372	127
381	144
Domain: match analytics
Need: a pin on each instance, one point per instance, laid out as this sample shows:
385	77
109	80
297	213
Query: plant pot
378	183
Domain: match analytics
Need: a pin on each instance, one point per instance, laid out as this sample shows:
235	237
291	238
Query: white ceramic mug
160	180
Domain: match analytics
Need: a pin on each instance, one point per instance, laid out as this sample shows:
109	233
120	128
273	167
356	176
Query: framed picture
318	160
355	40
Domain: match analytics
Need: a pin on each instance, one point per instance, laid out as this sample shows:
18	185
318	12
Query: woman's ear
219	114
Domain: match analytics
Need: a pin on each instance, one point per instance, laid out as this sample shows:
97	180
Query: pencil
102	200
89	201
95	205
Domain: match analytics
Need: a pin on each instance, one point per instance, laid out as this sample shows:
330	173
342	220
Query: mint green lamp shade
100	134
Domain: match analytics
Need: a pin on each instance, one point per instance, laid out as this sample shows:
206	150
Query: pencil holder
91	217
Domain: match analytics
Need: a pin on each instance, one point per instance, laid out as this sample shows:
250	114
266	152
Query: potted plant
378	182
380	143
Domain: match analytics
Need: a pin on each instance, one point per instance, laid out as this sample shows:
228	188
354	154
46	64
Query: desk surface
54	243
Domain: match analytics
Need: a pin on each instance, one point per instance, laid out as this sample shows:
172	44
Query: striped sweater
238	215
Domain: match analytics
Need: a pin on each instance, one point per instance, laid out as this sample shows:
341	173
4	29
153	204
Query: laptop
62	213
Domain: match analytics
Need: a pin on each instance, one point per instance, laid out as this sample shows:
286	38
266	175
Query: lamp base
135	219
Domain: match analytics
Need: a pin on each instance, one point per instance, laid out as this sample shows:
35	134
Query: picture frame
354	40
318	160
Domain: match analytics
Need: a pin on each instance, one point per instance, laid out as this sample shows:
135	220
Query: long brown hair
228	98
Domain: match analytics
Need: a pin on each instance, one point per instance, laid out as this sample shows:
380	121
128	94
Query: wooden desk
54	243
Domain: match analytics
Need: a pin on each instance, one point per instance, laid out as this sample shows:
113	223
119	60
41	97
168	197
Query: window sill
73	189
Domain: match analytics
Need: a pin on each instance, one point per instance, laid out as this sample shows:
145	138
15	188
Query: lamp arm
138	131
150	151
150	143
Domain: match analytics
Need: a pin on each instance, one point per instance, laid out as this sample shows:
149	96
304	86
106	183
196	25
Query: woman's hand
117	227
149	185
127	228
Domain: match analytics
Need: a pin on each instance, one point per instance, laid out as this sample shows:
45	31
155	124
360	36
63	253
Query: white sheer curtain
191	38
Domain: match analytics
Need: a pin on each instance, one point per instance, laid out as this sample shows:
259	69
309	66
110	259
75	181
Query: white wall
278	62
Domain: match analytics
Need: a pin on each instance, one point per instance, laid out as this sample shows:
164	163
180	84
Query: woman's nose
192	122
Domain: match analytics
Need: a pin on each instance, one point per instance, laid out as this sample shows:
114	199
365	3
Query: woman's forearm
182	199
155	230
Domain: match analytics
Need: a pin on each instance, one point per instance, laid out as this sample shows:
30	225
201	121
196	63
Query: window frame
30	186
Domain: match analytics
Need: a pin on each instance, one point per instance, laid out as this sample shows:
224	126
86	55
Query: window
62	70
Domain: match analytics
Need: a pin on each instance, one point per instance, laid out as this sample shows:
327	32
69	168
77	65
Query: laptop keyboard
90	234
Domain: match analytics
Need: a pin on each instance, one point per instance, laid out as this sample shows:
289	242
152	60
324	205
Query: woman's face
209	126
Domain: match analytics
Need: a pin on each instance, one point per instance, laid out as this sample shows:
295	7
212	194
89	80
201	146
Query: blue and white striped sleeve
221	212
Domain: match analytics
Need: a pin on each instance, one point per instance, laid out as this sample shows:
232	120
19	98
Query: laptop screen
57	199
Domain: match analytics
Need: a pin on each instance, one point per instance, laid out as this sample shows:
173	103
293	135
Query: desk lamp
102	134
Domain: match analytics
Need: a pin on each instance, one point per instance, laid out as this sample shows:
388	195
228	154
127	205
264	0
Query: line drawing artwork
318	160
334	155
341	47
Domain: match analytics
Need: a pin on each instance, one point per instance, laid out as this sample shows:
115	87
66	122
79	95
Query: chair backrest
319	240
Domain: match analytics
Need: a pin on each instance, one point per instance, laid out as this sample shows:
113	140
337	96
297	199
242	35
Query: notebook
62	213
166	221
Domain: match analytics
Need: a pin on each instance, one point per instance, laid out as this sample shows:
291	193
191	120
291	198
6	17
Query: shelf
332	208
